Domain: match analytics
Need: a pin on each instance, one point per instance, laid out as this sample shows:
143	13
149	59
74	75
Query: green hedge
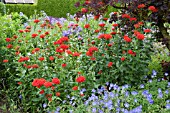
55	8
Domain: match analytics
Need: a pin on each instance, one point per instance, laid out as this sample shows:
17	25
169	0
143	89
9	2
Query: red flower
93	58
64	39
5	61
105	19
141	6
21	31
35	66
152	8
9	46
34	35
110	45
115	25
110	64
64	65
47	33
76	54
38	82
41	92
101	36
96	31
51	58
127	39
42	36
140	36
55	81
57	94
102	25
19	83
81	94
89	53
107	36
37	49
147	30
123	58
8	39
84	10
96	17
48	84
41	58
113	33
93	49
75	88
80	79
36	21
132	19
131	52
125	16
64	46
68	52
87	26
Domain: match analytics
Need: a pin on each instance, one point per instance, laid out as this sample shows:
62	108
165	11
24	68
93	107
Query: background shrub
2	8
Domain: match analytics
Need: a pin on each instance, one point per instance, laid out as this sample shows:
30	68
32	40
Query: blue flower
100	111
127	93
167	106
167	101
94	110
44	105
126	105
135	100
142	86
20	96
154	73
160	95
159	90
134	93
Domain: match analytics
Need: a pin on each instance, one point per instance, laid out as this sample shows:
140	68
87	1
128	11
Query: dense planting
84	64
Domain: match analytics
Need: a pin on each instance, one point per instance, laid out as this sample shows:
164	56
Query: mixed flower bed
64	64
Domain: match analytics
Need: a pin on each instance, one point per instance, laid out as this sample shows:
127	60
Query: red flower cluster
5	61
76	54
84	10
75	88
41	58
80	79
152	8
36	21
61	40
87	26
22	59
127	39
110	64
55	81
91	50
125	16
38	82
102	24
141	6
106	36
131	52
147	30
8	39
34	35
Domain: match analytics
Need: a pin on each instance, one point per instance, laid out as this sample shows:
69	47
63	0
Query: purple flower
20	96
127	93
159	90
167	101
154	73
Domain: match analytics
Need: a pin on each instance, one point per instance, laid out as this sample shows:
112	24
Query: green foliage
161	53
25	8
2	8
55	8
